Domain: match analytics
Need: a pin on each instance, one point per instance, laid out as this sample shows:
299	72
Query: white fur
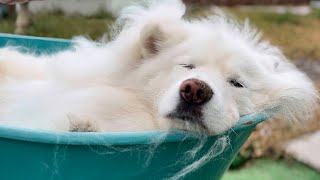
128	85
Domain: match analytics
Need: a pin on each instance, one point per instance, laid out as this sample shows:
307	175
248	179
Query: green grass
56	24
264	169
298	36
316	13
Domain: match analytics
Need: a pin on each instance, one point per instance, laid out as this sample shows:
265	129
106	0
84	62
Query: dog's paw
81	125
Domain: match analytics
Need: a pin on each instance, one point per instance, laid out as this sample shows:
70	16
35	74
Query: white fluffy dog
160	72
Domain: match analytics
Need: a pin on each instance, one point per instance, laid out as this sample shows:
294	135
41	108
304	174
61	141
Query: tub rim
116	138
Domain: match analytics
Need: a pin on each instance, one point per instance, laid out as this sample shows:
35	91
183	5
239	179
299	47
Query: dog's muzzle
194	94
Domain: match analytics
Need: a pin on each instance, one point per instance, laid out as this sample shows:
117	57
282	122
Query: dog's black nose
195	91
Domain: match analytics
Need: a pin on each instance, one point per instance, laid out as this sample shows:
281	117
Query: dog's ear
151	37
157	36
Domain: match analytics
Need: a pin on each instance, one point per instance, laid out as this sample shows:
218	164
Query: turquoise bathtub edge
112	138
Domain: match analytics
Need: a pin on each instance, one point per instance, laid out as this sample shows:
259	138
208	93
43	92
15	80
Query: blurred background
275	150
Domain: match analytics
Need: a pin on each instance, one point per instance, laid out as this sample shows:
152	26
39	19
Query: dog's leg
23	20
81	125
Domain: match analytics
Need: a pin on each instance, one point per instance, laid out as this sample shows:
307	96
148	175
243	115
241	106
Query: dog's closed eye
236	83
188	66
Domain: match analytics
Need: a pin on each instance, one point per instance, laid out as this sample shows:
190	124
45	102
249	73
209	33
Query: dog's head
205	74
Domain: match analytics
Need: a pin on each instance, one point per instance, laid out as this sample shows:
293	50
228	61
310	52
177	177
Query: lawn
298	36
56	24
264	169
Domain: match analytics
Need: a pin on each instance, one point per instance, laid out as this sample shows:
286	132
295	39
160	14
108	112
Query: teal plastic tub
44	155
